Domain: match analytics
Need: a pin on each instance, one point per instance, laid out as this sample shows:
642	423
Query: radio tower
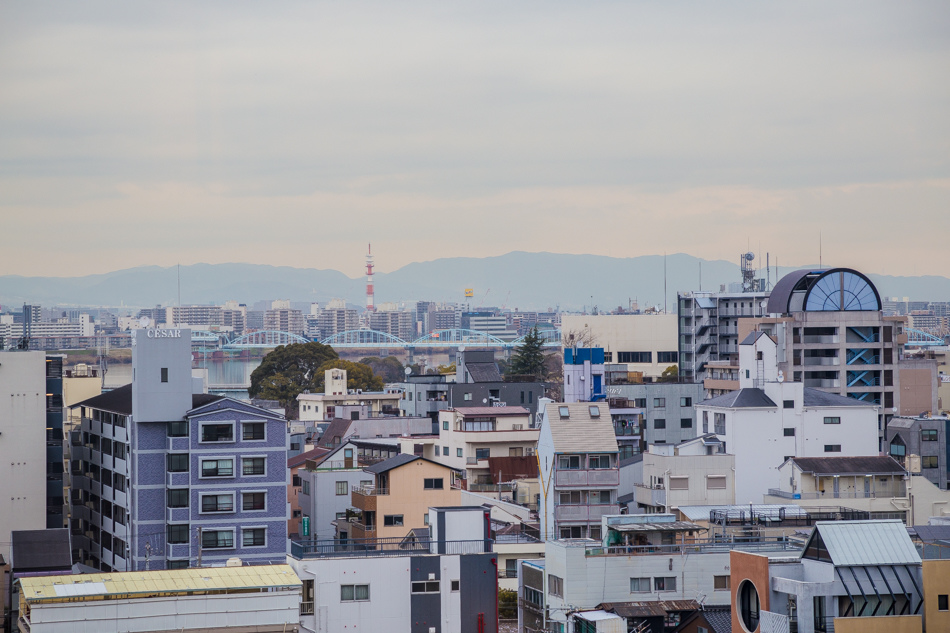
369	280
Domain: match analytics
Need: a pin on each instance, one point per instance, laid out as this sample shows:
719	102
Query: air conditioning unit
529	451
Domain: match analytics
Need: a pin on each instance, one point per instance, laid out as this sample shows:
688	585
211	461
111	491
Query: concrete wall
672	410
936	576
754	568
882	624
408	497
155	351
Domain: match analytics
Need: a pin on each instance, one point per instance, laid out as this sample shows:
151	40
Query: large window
664	583
599	462
178	462
252	431
217	468
666	357
639	585
178	498
217	503
480	453
928	435
217	432
659	403
433	484
929	461
635	357
253	537
178	428
252	466
555	585
178	533
686	423
392	520
659	423
253	501
749	605
349	593
569	462
217	539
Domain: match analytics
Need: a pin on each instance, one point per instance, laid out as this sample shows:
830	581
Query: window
719	423
217	432
217	539
928	461
599	462
832	448
564	412
928	435
253	500
788	404
118	515
569	462
434	483
570	497
178	533
594	411
666	357
639	585
164	374
252	466
391	520
634	357
789	432
467	396
834	420
178	429
118	450
533	596
555	585
342	488
217	503
252	431
659	423
686	402
445	425
942	604
178	462
659	403
425	586
456	585
664	583
749	606
305	486
118	482
217	468
715	482
445	450
686	423
253	537
176	564
458	452
721	583
679	483
349	593
178	498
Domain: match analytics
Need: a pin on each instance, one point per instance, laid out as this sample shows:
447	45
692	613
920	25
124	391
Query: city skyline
177	133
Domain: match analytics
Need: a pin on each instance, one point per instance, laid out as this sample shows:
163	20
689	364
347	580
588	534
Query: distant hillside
518	279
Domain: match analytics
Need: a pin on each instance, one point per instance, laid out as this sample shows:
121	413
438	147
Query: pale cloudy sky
293	133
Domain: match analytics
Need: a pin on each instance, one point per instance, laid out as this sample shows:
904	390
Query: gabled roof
819	398
301	459
119	400
869	465
752	337
399	460
862	543
748	398
207	403
580	432
337	429
483	372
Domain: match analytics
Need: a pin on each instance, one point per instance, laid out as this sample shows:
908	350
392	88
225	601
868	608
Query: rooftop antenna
179	292
819	250
700	275
664	282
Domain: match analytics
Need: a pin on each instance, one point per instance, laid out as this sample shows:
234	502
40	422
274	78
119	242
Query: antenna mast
370	306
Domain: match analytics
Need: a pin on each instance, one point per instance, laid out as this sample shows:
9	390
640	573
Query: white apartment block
470	436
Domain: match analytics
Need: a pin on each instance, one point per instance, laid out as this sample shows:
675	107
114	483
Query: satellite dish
484	400
781	376
408	371
143	321
749	256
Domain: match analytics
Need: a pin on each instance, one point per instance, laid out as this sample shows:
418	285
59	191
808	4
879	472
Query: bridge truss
373	339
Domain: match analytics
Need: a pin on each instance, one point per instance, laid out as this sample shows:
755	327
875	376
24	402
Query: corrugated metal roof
818	398
861	465
671	526
166	581
580	432
857	543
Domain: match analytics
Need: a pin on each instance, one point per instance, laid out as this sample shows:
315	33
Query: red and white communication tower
369	280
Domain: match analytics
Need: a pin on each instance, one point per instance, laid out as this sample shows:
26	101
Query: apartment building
490	445
441	579
323	406
397	501
337	318
768	420
398	323
262	598
644	344
579	466
920	444
282	318
162	477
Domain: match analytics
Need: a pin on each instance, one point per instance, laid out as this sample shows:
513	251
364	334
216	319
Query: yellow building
398	501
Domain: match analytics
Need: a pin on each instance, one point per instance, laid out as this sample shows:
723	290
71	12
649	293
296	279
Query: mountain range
529	281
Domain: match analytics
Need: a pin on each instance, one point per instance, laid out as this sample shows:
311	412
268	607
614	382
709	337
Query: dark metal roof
119	400
41	550
749	397
751	338
648	609
819	398
782	292
864	465
930	533
301	459
483	372
397	461
337	429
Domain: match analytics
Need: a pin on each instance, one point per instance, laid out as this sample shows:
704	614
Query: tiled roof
301	459
119	400
397	461
749	397
818	398
483	372
581	432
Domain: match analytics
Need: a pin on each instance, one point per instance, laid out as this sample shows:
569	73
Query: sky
294	133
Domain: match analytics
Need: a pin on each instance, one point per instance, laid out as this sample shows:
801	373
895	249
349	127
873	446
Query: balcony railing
306	608
582	478
706	546
397	546
584	513
370	491
898	492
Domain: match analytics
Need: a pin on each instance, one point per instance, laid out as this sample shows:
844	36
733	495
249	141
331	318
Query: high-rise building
282	318
398	323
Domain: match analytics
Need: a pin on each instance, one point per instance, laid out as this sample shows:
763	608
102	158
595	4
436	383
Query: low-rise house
440	579
397	501
579	469
295	463
920	445
260	598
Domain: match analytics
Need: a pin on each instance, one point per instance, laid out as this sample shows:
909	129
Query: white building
322	406
260	598
579	469
645	343
470	436
326	485
767	420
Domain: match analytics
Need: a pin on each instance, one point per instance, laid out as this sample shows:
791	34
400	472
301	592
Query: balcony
584	513
586	478
822	360
822	383
306	608
898	492
645	495
393	546
818	339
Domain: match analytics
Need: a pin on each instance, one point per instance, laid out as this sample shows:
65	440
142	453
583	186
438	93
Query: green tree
507	604
529	359
358	376
670	374
390	369
288	370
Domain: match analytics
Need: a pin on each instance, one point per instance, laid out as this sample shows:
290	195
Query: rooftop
470	412
580	431
857	543
70	588
119	400
748	398
869	465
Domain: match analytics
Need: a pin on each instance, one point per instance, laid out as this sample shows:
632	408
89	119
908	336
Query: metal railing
370	491
398	546
702	546
899	492
306	608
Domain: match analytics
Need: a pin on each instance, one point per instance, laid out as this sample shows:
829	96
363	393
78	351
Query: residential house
295	463
920	444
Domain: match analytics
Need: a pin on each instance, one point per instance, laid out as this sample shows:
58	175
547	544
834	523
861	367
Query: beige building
398	501
645	343
322	406
471	439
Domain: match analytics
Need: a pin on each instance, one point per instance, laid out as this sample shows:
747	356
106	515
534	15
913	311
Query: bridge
373	339
919	338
